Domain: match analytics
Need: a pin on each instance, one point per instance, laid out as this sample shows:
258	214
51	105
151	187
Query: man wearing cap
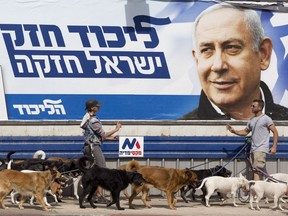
94	135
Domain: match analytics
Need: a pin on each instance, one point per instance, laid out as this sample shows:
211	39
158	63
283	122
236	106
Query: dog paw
121	208
83	207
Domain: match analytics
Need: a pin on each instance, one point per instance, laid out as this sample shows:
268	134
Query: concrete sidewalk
69	207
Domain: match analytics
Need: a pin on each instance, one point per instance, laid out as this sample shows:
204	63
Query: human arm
109	135
275	139
99	131
243	132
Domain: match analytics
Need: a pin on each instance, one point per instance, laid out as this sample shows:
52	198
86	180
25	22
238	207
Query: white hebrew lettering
67	60
141	63
130	63
112	64
50	106
57	59
98	68
41	58
28	63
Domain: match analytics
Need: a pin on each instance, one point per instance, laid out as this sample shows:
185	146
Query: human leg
99	160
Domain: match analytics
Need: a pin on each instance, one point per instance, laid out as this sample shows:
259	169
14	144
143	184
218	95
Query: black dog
113	180
35	164
204	173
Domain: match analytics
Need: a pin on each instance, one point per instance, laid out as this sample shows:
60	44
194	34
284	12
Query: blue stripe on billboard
137	107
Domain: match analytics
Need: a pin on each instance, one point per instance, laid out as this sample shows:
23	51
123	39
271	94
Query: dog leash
232	159
224	164
68	185
271	178
71	171
202	164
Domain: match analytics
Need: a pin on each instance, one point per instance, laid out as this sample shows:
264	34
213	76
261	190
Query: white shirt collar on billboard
218	110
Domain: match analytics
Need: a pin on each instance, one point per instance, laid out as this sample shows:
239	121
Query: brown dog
27	184
168	180
132	166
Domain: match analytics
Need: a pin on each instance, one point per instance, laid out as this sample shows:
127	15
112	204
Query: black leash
191	168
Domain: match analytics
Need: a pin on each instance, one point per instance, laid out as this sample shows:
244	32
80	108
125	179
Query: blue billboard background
152	107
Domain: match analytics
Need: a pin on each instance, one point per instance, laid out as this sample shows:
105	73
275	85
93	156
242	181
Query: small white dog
281	177
224	185
274	190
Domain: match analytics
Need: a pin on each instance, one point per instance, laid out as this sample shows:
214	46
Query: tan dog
131	167
168	180
27	184
55	190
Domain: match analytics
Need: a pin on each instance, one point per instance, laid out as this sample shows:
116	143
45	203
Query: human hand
272	150
230	128
118	126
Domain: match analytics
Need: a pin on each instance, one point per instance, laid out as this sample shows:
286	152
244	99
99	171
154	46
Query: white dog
224	185
279	177
273	190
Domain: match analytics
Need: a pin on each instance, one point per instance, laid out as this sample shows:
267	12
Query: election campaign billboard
133	56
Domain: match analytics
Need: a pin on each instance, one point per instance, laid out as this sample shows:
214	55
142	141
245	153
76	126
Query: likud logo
131	146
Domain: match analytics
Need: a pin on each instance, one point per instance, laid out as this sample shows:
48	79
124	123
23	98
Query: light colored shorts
259	159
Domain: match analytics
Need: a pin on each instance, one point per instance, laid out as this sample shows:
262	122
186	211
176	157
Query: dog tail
85	163
202	183
39	153
8	157
9	165
132	165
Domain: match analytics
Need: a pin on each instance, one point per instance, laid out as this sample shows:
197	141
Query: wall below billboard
129	128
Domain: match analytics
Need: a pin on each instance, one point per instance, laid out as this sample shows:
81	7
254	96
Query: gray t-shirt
261	133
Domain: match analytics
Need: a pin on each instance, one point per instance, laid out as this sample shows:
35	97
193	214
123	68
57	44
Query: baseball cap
92	103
